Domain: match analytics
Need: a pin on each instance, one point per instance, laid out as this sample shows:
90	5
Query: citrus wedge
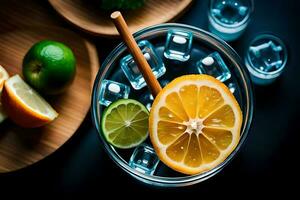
3	76
125	123
24	106
194	123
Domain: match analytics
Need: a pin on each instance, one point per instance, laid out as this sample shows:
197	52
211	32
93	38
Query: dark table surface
266	163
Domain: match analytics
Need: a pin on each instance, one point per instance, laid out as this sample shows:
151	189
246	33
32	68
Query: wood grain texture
21	147
16	14
88	15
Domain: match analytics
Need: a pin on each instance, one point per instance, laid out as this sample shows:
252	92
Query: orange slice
3	76
194	123
25	106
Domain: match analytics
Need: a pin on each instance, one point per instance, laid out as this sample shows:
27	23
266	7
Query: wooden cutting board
21	147
88	16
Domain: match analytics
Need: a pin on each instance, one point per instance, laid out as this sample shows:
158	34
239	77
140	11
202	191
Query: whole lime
49	67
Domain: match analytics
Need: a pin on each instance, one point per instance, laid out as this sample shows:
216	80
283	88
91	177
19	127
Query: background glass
266	58
229	18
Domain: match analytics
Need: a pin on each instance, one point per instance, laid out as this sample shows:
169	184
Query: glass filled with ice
266	58
228	19
172	50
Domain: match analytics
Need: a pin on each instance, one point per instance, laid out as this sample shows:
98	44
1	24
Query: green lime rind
49	67
125	123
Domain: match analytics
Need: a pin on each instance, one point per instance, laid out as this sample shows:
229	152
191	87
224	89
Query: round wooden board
88	15
21	147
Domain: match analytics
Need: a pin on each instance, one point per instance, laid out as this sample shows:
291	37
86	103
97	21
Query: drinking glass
266	58
228	19
202	48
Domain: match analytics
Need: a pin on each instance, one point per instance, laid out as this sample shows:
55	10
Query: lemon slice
194	123
24	105
3	76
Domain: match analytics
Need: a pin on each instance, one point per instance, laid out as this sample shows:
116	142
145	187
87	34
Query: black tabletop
266	162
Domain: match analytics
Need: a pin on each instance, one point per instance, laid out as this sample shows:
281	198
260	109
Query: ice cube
214	65
144	159
131	70
111	91
178	45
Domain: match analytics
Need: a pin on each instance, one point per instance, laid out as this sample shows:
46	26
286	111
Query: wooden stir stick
136	52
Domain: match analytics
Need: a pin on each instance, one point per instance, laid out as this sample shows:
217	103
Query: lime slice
125	123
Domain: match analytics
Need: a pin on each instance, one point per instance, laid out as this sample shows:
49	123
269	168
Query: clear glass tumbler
229	18
202	48
266	58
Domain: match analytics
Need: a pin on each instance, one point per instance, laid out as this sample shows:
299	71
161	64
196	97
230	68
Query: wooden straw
136	52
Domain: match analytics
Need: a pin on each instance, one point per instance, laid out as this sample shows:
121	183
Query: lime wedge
125	123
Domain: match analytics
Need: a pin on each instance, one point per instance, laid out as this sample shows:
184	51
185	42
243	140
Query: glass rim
244	21
274	38
208	38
